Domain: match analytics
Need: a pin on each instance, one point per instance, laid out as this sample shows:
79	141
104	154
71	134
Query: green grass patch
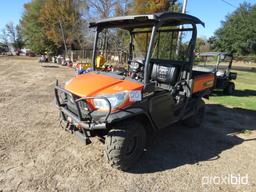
245	94
246	132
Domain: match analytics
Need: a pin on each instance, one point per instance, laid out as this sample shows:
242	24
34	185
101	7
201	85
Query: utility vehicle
159	88
220	64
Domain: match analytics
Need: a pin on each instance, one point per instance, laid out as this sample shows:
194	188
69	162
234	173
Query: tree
11	31
101	8
123	7
60	20
19	42
46	22
151	6
202	45
4	37
32	28
166	39
11	35
237	33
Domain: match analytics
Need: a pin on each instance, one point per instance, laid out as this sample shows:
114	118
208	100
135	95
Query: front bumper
75	110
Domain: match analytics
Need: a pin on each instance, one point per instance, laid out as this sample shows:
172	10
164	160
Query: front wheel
125	144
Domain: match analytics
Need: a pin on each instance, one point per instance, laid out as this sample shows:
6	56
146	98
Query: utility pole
184	8
63	37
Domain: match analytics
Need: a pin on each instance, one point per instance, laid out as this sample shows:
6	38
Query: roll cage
155	22
220	56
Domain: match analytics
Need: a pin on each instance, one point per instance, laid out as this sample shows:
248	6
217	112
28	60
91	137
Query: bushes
247	59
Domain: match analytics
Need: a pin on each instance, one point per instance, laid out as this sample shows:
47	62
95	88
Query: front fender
130	113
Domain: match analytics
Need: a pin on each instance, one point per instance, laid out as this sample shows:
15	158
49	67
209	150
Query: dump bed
202	81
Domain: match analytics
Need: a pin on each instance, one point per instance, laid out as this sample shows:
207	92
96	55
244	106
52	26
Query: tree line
237	33
55	25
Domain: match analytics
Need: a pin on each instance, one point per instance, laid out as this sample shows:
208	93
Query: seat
164	73
220	73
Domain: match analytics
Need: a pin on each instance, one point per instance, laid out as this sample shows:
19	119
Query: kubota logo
208	83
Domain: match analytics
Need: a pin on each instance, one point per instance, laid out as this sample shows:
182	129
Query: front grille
69	103
71	106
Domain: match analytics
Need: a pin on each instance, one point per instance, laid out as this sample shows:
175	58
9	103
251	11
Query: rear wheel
229	89
195	120
125	144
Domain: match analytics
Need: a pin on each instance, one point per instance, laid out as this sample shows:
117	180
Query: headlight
116	100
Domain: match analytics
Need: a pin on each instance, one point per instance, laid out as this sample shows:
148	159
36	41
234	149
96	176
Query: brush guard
81	122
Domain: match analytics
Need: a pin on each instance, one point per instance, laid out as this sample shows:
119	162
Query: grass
245	94
247	132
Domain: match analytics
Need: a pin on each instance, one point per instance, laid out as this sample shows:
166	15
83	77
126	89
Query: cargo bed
202	81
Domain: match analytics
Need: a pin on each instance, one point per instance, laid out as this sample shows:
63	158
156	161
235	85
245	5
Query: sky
11	11
211	12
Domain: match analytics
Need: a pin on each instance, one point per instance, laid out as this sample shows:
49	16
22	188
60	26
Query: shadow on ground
178	145
50	66
237	93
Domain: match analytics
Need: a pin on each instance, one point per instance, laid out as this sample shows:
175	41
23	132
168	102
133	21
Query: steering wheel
135	64
135	68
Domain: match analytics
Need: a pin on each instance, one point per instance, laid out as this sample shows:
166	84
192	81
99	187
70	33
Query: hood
92	84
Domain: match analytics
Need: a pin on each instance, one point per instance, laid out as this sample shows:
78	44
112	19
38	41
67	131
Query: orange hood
92	84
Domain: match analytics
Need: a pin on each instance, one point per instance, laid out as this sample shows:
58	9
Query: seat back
164	74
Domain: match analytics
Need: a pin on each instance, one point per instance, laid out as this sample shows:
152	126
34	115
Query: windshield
141	42
169	44
172	45
113	49
116	47
212	60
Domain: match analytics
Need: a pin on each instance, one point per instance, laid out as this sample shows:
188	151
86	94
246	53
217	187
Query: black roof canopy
147	20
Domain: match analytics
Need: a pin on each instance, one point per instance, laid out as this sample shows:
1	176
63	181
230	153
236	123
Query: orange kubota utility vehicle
159	88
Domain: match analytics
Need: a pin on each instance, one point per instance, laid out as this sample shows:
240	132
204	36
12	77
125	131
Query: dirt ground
37	155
